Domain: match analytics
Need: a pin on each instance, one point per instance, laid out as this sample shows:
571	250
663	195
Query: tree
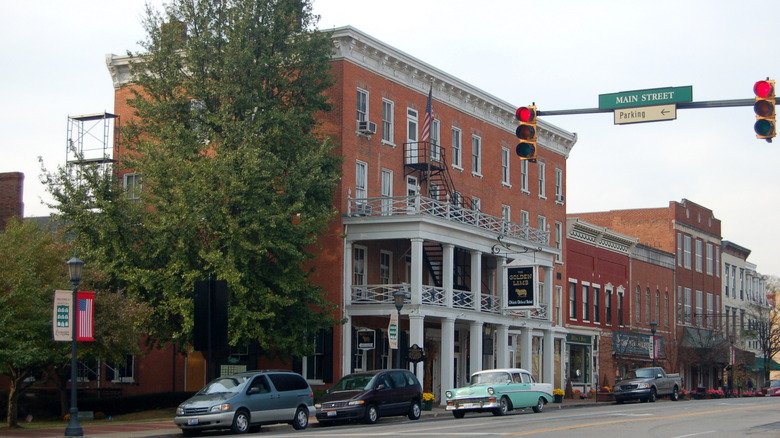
765	325
31	266
237	185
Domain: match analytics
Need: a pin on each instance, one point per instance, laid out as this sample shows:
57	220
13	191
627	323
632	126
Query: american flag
426	128
86	320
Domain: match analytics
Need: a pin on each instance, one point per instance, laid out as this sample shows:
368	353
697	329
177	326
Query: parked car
245	401
369	395
647	384
499	391
771	388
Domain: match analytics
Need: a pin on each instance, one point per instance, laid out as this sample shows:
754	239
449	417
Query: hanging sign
521	287
392	331
366	339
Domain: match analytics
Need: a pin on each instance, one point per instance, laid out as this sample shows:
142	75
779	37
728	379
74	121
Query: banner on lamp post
62	320
392	331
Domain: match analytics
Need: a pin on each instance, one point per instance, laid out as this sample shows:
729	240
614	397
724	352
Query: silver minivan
245	401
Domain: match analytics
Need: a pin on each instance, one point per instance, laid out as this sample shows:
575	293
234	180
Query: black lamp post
653	325
75	267
398	298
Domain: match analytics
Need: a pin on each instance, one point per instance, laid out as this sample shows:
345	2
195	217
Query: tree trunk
13	404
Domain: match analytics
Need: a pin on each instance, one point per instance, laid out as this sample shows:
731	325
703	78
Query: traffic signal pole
680	105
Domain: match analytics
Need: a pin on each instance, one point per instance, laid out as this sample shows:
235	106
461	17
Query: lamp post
398	298
653	325
732	338
75	267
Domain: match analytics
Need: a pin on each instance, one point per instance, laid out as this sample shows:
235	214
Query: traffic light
765	109
526	132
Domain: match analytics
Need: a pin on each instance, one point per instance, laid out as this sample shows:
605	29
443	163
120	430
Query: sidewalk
164	428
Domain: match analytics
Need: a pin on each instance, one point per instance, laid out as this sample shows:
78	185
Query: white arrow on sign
645	114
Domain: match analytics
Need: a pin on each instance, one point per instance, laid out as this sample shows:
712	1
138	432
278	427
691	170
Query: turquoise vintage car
499	391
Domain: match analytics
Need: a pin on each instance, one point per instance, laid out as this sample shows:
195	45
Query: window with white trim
387	192
699	255
505	166
524	176
388	121
361	179
476	155
457	149
362	105
559	241
540	167
435	140
559	185
687	252
133	186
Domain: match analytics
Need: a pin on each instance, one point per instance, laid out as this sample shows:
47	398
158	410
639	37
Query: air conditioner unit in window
366	127
559	198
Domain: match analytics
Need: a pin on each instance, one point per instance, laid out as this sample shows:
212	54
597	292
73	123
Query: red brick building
424	217
693	234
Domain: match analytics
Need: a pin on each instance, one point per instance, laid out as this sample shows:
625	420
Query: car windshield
640	374
490	378
230	385
353	383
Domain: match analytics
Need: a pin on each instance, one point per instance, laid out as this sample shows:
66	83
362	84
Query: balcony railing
421	205
431	295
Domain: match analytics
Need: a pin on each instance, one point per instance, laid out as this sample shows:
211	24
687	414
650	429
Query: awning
759	365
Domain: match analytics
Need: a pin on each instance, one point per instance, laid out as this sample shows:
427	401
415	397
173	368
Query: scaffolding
91	139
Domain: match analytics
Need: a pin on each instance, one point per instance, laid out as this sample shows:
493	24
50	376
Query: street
755	417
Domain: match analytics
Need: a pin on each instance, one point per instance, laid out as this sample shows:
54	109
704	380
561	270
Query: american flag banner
426	128
85	317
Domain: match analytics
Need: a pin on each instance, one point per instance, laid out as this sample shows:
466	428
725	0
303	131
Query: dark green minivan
245	401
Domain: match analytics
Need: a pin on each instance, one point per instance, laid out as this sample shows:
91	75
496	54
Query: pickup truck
647	384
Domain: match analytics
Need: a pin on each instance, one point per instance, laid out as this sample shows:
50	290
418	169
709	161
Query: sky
559	54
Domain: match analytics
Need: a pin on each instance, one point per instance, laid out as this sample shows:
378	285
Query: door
260	399
412	190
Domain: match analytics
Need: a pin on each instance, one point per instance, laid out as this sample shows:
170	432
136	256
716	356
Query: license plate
469	405
331	413
192	422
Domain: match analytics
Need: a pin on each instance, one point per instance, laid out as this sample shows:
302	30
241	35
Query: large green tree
237	185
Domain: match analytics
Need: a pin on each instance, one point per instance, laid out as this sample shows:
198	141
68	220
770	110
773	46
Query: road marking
694	434
630	420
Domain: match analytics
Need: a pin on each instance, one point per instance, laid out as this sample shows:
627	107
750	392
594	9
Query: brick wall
11	190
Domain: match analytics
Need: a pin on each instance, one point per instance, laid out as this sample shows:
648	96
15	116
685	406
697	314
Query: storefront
579	349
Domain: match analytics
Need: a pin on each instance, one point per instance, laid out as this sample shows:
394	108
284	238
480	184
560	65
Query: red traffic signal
526	132
765	126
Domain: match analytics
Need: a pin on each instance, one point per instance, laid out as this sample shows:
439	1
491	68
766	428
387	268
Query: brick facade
11	191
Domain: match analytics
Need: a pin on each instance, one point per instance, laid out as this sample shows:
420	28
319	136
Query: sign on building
366	339
521	288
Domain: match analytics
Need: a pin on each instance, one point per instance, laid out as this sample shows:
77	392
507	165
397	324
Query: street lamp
732	339
75	267
398	298
653	325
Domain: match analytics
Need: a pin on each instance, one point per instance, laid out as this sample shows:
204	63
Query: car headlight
645	385
180	411
491	391
318	405
448	394
221	408
356	403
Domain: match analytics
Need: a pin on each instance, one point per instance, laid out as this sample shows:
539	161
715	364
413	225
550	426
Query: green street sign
637	98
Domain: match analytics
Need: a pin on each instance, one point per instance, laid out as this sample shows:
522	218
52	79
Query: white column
447	272
548	357
417	270
502	347
549	286
475	343
526	349
476	279
447	356
346	328
417	336
501	280
346	349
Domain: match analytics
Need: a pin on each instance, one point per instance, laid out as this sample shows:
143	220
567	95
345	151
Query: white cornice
367	52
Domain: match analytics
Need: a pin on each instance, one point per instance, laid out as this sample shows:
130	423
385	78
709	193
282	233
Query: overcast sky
560	54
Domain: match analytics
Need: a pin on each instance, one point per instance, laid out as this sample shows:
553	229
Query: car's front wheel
372	415
539	405
415	411
458	414
503	407
652	397
240	422
301	419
